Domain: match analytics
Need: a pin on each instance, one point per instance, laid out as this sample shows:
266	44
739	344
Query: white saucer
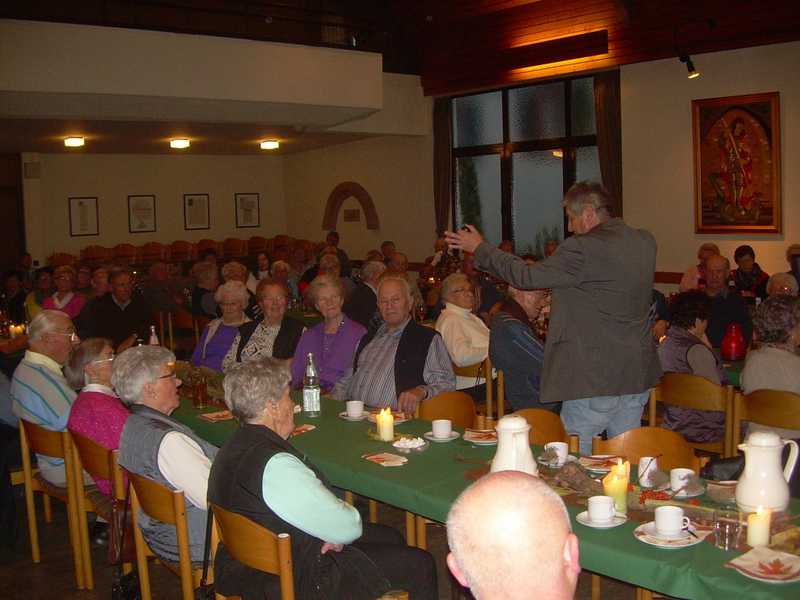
454	435
551	465
583	519
684	494
344	415
647	533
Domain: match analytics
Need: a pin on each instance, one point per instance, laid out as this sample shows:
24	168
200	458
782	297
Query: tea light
758	527
615	484
16	330
385	423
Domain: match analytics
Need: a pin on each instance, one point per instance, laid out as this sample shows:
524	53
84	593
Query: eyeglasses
102	360
168	376
72	335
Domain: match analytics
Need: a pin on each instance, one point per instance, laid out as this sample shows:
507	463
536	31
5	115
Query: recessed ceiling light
74	142
270	145
179	143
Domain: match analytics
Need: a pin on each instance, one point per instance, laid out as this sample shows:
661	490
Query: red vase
733	346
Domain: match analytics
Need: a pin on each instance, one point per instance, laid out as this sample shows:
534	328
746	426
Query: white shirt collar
457	309
42	360
99	387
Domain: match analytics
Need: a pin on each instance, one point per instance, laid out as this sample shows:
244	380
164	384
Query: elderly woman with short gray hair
218	335
160	448
259	474
332	342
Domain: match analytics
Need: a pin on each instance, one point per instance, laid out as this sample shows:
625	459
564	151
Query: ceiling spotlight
270	145
693	73
179	143
74	142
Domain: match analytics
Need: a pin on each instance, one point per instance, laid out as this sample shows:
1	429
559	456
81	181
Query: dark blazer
599	341
362	305
285	342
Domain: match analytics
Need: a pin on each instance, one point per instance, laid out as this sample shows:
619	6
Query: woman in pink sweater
97	412
65	298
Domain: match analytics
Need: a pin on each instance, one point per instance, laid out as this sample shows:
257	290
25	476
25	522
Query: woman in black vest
274	336
260	475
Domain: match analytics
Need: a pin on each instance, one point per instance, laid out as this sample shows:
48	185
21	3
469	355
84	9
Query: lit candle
615	484
758	527
385	422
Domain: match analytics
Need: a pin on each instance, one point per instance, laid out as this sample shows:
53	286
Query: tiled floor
53	578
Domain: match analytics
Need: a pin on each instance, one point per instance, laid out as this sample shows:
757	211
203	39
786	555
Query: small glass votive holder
727	529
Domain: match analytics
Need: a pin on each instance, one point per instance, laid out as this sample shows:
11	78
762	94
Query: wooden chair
126	253
233	248
484	370
169	507
256	244
671	448
765	407
100	463
96	255
58	445
456	406
693	391
180	251
547	427
153	252
256	547
59	259
205	244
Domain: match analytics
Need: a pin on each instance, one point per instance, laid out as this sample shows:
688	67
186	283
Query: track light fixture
692	72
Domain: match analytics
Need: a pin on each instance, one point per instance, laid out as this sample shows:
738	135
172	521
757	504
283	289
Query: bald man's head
510	537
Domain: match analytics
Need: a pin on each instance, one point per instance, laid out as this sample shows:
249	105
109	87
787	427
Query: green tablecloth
432	480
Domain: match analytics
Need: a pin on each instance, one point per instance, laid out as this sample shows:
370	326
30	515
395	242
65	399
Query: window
515	153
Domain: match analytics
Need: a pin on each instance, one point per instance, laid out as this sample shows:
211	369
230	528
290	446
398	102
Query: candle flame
385	412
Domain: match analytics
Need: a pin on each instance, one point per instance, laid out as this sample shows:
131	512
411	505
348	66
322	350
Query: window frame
506	149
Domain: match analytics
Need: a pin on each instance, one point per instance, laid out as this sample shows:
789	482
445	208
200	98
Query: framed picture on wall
141	213
83	216
737	164
248	212
195	211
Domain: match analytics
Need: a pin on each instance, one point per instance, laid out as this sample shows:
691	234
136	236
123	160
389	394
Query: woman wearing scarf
750	280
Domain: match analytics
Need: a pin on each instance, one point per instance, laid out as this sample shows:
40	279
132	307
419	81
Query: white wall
658	188
113	177
397	172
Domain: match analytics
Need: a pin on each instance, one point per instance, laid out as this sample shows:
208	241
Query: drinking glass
727	528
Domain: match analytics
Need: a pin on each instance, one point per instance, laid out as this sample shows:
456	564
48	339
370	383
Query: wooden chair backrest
766	407
476	370
456	406
125	251
671	448
99	462
692	391
204	244
43	441
257	547
256	244
62	258
546	426
180	250
481	369
158	501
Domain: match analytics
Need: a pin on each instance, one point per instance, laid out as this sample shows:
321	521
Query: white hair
450	282
250	385
780	280
45	322
279	264
135	368
399	278
371	270
232	289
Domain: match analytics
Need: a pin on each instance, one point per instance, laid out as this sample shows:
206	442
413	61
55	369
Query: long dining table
432	479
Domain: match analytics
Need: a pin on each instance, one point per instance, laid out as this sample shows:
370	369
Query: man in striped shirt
402	363
40	394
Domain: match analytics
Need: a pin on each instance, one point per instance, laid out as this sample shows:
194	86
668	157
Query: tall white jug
763	482
513	448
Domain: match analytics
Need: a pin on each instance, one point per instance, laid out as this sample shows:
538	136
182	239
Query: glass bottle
311	389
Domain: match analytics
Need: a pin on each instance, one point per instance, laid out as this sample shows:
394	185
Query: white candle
385	423
615	484
758	524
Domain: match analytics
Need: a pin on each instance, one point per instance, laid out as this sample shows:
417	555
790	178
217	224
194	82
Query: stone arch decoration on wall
341	193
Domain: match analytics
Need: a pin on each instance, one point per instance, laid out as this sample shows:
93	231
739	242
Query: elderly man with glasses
39	391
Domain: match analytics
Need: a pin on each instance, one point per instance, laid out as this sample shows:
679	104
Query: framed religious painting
737	164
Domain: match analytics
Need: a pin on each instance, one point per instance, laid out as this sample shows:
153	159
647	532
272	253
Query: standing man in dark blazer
600	358
362	305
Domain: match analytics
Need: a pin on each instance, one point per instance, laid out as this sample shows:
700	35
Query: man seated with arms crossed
39	391
402	363
510	538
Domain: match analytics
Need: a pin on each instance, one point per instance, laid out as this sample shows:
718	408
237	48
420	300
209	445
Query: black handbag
125	586
206	590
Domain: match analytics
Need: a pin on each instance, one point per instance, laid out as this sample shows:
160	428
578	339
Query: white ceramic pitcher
513	448
763	483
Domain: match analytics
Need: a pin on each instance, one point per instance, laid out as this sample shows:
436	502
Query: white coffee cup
670	520
601	509
647	466
678	478
560	448
355	408
442	428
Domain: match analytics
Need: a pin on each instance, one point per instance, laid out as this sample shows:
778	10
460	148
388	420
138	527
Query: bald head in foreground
510	538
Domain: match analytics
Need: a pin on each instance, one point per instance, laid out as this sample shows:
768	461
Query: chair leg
643	594
411	529
348	497
141	564
422	537
48	509
75	543
33	528
373	511
595	587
